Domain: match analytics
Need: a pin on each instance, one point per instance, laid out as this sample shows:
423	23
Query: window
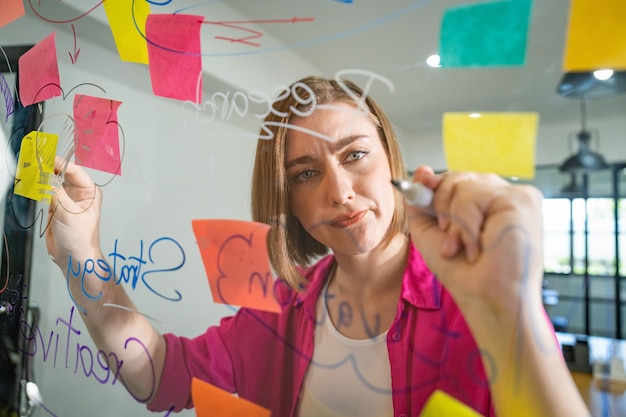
585	249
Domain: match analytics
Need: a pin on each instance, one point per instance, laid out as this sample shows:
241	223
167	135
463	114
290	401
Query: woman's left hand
485	243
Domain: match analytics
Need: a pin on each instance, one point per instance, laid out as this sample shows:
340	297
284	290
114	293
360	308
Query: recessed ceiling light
433	61
603	74
475	115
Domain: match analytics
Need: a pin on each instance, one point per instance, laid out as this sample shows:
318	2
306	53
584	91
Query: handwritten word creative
142	268
60	347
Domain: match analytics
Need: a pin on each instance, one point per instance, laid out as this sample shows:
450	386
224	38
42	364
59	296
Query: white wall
174	170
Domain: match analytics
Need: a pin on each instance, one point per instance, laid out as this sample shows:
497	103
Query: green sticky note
489	34
440	404
501	143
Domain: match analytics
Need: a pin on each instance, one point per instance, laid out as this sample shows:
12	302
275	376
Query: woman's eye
304	175
356	155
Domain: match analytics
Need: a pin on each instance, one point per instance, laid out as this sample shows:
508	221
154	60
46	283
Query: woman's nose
338	187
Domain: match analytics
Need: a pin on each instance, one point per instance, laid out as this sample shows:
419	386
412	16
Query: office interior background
263	44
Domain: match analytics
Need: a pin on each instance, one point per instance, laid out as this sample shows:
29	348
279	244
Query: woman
367	330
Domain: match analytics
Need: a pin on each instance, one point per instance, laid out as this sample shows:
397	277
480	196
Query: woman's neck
377	272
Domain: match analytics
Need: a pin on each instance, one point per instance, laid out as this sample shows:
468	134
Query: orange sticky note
596	36
96	133
127	20
501	143
10	10
35	166
234	253
210	400
440	404
39	72
175	56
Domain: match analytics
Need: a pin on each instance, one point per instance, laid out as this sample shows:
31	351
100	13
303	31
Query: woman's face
340	185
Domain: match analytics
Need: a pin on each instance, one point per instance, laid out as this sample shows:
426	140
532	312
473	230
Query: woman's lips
341	222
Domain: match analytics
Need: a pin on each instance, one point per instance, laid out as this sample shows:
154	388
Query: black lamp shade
584	84
585	159
589	161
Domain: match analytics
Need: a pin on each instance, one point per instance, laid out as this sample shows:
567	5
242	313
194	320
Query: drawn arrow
74	57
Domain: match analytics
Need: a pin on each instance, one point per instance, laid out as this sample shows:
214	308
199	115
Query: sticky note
234	254
127	20
39	72
11	10
596	36
501	143
175	56
210	401
487	34
35	166
96	133
440	404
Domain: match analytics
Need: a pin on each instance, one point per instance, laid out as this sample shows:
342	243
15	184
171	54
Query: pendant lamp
584	159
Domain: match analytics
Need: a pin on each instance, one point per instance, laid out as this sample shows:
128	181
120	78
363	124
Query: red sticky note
175	57
234	253
39	72
96	133
210	400
11	10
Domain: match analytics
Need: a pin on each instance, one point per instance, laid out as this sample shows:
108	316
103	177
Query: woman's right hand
74	216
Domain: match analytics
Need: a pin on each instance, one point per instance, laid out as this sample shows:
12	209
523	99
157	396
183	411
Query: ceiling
393	38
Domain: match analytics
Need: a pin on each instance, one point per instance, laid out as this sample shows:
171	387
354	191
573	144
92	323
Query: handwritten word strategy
133	270
222	106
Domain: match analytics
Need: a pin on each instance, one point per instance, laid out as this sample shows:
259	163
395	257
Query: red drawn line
235	24
294	19
62	21
256	35
74	57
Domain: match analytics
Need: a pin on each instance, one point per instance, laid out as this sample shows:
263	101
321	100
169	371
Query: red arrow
74	57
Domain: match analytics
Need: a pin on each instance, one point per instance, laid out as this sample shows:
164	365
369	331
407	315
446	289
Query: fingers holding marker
462	203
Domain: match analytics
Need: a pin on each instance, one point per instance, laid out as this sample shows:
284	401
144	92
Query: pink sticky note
39	72
11	10
96	133
174	54
234	254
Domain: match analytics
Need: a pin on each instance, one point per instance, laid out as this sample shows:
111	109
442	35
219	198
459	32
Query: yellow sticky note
441	404
501	143
35	166
210	400
596	36
128	24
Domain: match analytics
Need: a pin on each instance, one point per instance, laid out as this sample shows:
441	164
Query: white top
347	377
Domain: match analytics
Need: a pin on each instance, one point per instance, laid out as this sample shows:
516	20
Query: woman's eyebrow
299	161
342	143
338	145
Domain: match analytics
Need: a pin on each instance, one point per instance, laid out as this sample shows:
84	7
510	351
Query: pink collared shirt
264	356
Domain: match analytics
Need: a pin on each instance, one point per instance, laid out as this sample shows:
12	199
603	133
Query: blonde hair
289	245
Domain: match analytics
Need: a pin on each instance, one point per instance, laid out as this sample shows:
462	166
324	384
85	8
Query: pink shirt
264	356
